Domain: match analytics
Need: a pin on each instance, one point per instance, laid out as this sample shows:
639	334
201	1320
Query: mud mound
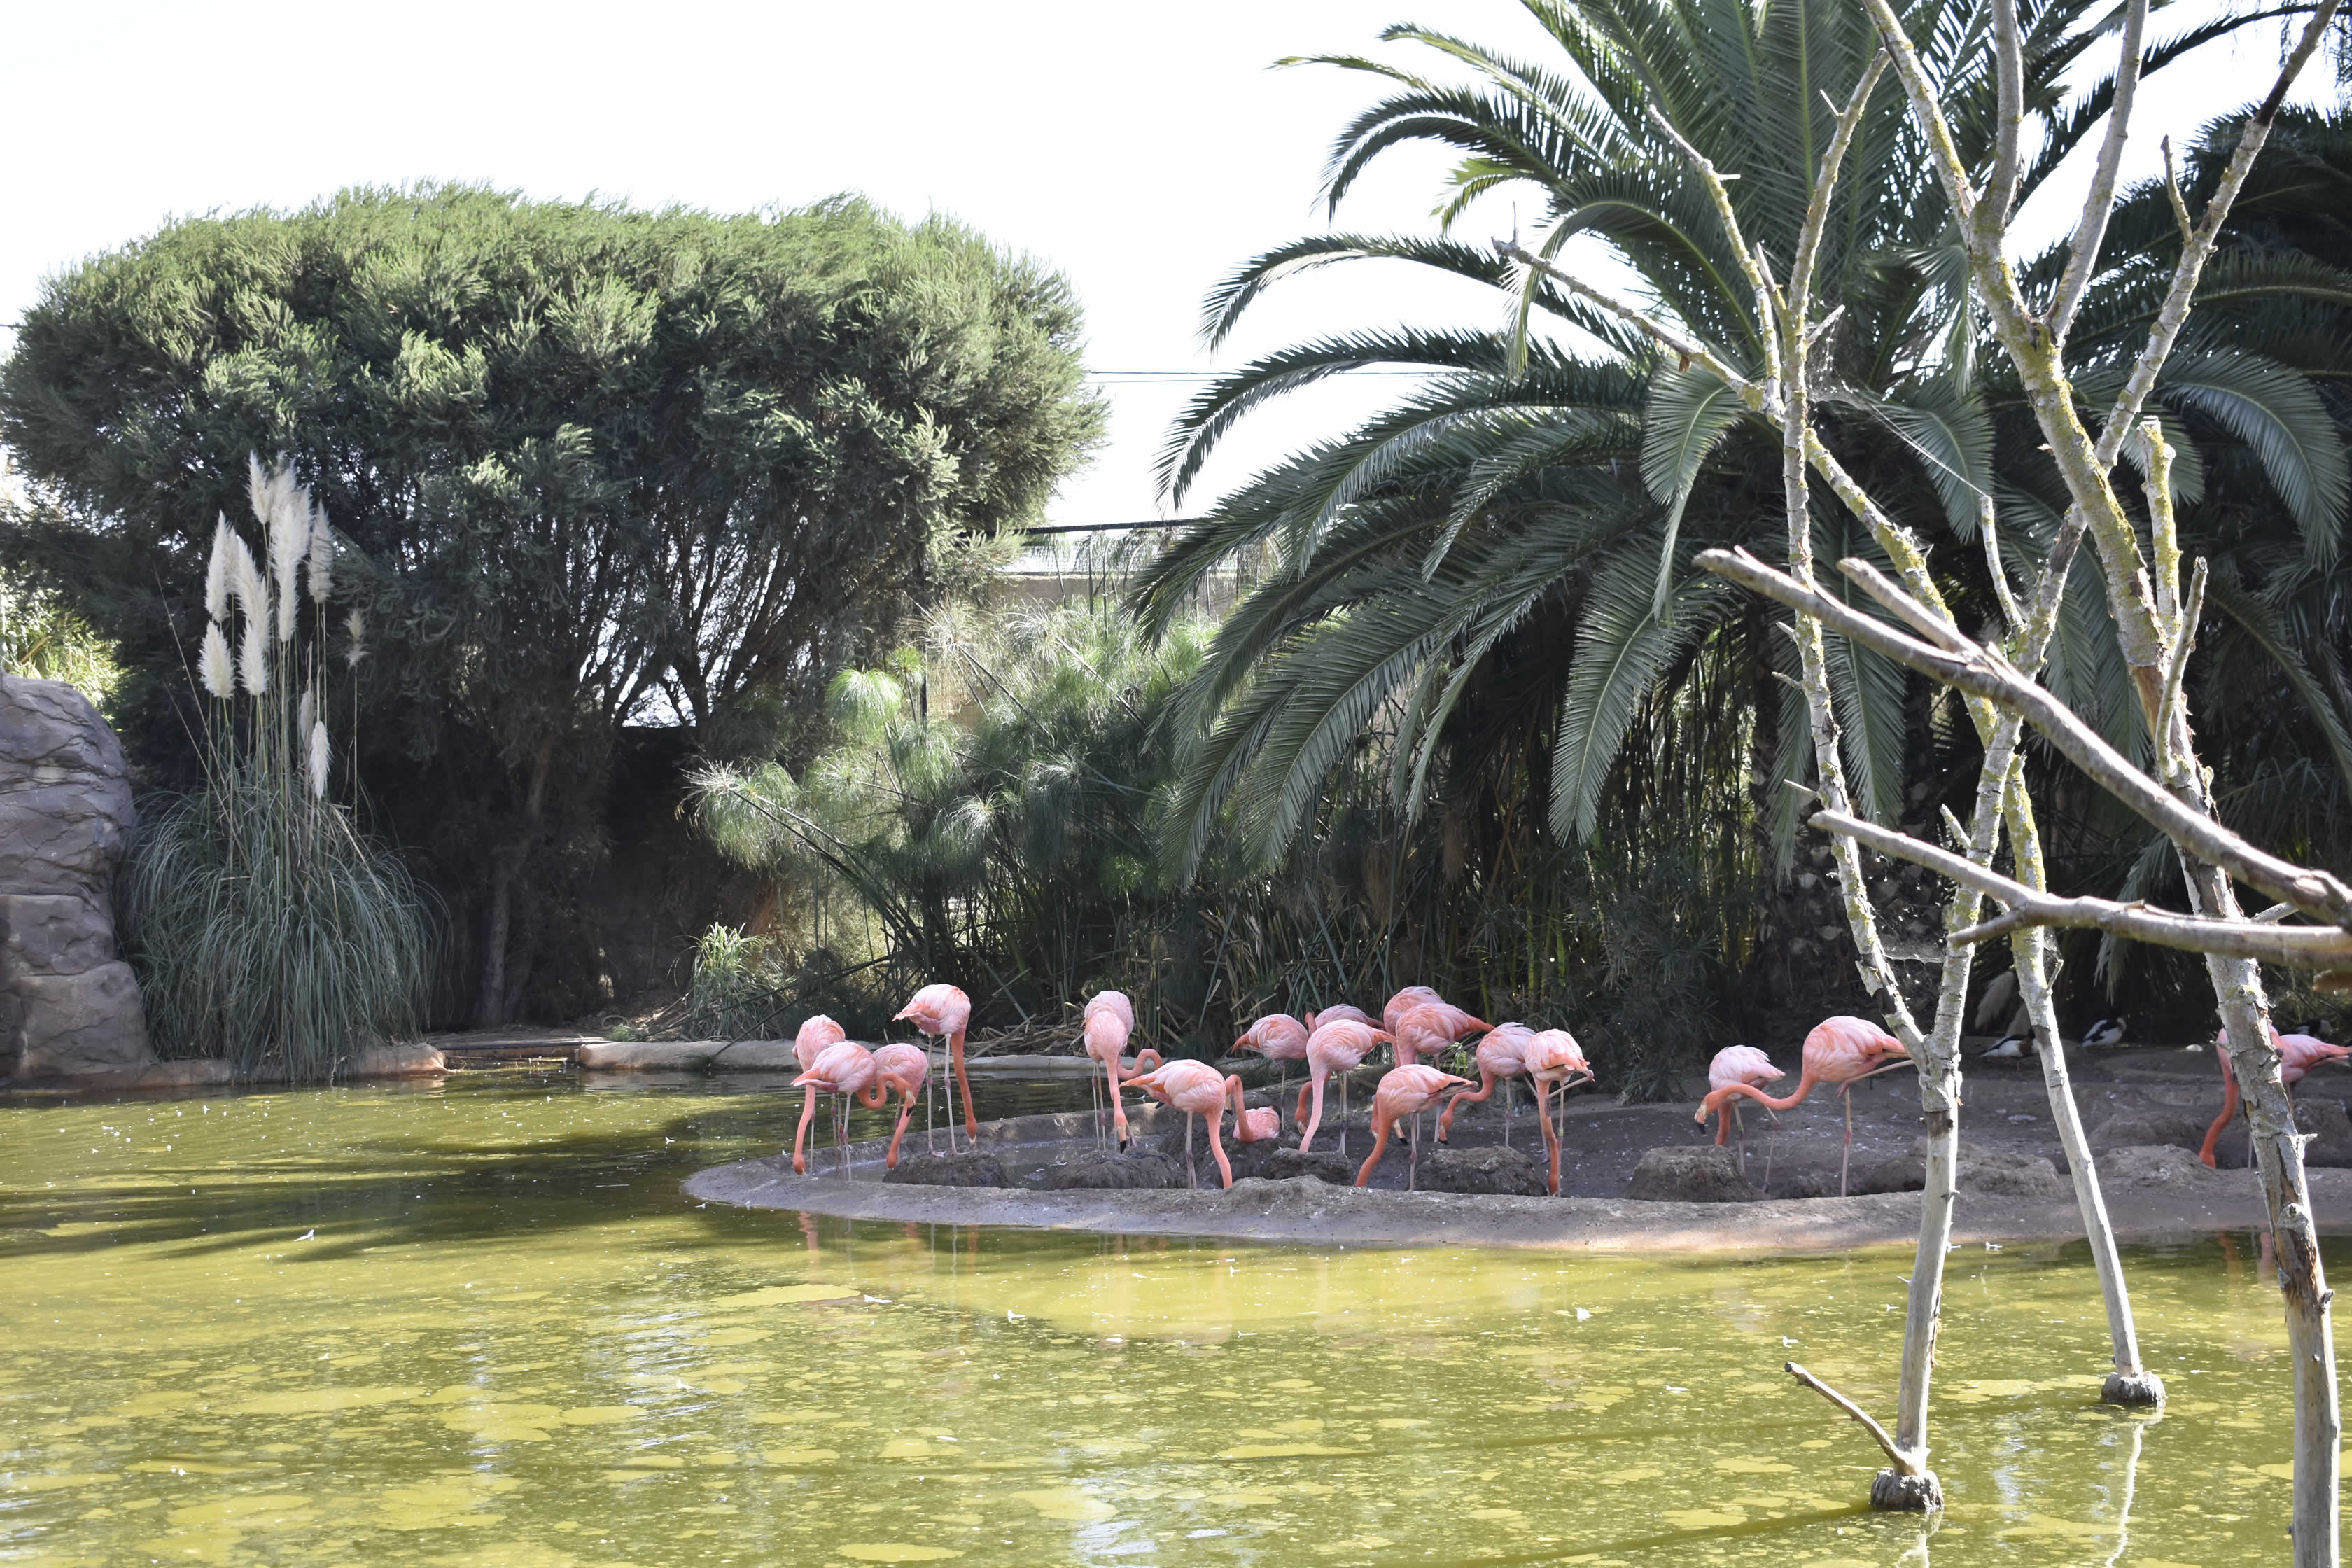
1490	1170
1323	1164
1687	1174
2157	1166
948	1170
1098	1171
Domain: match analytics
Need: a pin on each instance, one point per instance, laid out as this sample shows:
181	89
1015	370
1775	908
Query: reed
265	926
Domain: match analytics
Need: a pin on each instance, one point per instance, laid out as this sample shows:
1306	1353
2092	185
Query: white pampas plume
219	675
290	545
308	714
356	624
318	759
216	572
256	487
245	583
322	557
254	667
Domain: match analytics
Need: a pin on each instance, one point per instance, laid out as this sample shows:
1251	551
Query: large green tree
602	467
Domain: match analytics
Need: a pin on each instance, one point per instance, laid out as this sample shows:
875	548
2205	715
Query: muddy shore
2157	1099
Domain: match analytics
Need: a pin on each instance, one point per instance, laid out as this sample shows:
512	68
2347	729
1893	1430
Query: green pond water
480	1324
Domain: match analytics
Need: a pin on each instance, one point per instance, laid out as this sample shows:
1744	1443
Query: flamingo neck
1805	1082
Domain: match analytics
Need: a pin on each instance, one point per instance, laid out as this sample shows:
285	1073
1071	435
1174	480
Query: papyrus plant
265	928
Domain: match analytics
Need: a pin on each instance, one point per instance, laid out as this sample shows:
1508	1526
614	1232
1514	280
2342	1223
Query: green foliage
40	639
603	466
264	927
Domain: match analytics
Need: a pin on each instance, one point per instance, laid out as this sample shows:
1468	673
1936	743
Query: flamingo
1502	1055
817	1033
1741	1064
1553	1057
1405	1001
1261	1122
1442	1022
907	1070
1109	1019
1843	1050
945	1010
1336	1045
1337	1012
1198	1089
1279	1038
1405	1091
2298	1054
844	1069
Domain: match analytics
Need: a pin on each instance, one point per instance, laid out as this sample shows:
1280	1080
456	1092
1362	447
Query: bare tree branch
2098	204
1910	1464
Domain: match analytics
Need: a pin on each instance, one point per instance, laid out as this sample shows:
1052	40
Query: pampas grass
265	927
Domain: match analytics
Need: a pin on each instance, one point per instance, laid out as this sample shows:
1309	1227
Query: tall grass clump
265	927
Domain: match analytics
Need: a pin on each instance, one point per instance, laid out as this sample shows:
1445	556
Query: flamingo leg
799	1139
963	1082
1343	1115
1379	1142
930	1134
1551	1137
1845	1163
2228	1110
1191	1176
1412	1154
1741	1123
947	1093
1510	1104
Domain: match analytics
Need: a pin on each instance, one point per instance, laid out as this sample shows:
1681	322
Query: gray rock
948	1170
1690	1173
1991	1172
68	1004
1494	1169
1096	1171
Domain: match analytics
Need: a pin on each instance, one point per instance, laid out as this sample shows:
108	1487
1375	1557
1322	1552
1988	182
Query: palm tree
1503	553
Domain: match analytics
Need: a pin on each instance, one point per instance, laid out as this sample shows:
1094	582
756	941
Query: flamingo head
938	1010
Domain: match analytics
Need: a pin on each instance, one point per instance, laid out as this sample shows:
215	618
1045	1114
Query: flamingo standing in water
1440	1022
1336	1045
843	1069
907	1070
1502	1056
1198	1089
945	1010
1406	1092
1843	1050
1279	1038
1552	1057
2298	1054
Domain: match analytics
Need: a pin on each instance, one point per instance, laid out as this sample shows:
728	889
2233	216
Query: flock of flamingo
1416	1022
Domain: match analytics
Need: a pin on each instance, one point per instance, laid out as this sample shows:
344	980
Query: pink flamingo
843	1069
1198	1089
817	1033
1553	1057
1405	1001
1279	1038
1109	1019
945	1010
907	1070
1440	1022
2298	1054
1843	1050
1262	1122
1338	1012
1336	1045
1741	1064
1502	1056
1406	1092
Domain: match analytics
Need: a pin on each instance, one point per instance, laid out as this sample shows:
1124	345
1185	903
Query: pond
477	1324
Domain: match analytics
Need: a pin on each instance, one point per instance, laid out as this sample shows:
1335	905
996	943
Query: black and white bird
2009	1046
2105	1033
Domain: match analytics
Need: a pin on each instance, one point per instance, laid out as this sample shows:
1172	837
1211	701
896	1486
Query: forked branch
1902	1458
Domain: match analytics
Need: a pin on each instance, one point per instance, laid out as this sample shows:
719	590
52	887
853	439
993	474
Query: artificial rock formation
68	1004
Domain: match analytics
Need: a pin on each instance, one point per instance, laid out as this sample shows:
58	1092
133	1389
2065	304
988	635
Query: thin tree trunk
2130	1383
490	1007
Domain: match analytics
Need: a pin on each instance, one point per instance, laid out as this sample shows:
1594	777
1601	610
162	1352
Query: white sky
1145	151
